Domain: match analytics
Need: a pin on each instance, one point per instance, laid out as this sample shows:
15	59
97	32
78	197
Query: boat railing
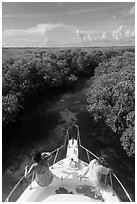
59	148
122	186
88	157
111	174
23	177
15	187
79	141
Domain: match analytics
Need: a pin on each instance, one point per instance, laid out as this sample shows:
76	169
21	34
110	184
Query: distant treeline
32	72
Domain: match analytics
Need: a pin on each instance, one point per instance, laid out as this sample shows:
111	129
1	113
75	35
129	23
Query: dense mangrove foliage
37	72
112	97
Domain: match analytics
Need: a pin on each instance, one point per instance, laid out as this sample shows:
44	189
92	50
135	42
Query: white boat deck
67	185
64	186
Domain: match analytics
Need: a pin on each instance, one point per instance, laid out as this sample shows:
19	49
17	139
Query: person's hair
36	156
103	160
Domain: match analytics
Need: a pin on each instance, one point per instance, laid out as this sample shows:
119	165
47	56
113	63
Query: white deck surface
66	177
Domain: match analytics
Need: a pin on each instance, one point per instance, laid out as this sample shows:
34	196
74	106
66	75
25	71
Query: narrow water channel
43	128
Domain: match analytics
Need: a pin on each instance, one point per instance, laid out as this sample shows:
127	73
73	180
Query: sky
68	24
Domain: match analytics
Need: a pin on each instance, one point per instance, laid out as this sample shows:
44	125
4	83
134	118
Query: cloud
81	34
85	36
104	36
80	11
39	29
129	12
120	35
123	33
59	4
62	34
126	14
89	10
133	34
89	37
43	15
132	11
20	16
40	35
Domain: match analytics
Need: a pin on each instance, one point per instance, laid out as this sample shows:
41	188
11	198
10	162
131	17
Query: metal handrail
78	138
122	187
112	184
67	137
32	178
110	174
87	151
55	157
8	197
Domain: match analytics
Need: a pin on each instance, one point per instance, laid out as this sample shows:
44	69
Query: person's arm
29	173
105	170
89	167
85	171
44	155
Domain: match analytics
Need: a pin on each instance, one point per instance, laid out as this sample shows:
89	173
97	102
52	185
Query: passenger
40	167
97	172
73	163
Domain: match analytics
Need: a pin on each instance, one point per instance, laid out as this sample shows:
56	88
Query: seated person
73	163
40	167
97	172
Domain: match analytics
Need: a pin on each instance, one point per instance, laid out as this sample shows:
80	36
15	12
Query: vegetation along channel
46	90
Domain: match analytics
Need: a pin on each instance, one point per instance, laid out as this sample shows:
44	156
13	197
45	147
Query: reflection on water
44	129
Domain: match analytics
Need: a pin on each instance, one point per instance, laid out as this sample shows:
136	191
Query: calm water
44	127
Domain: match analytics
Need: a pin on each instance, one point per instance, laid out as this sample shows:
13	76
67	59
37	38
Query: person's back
43	174
94	170
97	174
40	168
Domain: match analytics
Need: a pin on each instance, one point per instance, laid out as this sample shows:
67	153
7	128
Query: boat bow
66	184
